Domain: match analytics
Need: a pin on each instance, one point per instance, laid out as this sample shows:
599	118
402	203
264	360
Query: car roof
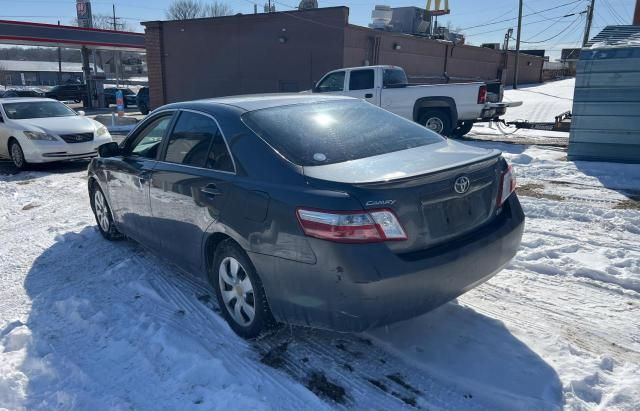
24	99
260	101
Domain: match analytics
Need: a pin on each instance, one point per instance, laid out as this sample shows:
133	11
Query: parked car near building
142	100
21	93
128	95
323	211
68	92
39	130
448	109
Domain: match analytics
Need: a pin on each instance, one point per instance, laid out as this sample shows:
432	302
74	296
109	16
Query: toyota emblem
462	184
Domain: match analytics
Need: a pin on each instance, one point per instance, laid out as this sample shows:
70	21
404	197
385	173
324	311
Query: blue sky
482	20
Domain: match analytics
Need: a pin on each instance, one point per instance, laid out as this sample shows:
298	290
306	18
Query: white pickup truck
449	109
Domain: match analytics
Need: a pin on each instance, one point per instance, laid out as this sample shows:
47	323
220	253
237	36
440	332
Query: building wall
258	53
428	60
289	51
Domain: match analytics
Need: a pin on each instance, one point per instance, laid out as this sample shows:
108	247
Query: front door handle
210	190
368	95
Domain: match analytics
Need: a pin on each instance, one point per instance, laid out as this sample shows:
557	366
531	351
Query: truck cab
449	109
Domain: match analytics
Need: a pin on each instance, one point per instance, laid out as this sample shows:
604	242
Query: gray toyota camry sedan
321	211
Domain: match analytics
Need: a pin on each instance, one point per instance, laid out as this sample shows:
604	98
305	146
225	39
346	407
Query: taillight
482	94
507	185
351	226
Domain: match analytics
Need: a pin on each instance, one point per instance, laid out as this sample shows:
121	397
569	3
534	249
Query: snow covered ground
86	324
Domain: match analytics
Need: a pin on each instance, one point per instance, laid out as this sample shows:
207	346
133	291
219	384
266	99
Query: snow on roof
52	66
616	36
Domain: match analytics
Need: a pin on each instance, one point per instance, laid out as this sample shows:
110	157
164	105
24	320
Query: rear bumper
357	287
495	110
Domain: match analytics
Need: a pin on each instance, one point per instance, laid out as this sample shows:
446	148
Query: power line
551	25
553	37
525	15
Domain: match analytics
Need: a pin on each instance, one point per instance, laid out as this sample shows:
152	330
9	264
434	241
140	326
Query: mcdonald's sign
437	11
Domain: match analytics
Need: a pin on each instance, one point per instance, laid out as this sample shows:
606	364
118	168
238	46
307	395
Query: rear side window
335	131
361	80
394	78
197	141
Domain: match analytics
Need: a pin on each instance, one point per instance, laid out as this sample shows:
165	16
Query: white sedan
39	130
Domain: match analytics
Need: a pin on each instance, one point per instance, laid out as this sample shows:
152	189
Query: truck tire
463	128
437	120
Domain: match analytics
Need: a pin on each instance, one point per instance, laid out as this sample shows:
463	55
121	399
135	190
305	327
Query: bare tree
105	21
217	9
193	9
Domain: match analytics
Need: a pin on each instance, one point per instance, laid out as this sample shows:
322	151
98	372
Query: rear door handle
211	190
368	95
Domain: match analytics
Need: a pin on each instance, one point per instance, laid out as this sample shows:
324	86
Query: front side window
361	79
332	82
335	131
37	109
148	141
197	141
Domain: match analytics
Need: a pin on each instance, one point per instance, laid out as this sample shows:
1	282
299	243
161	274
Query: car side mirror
81	113
1	119
109	150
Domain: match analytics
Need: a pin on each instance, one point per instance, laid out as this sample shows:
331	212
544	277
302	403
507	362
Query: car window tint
394	78
332	82
335	131
148	140
219	157
361	80
190	139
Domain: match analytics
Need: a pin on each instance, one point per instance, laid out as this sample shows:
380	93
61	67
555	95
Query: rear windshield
335	131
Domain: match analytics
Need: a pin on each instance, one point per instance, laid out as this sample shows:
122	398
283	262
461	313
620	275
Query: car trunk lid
419	185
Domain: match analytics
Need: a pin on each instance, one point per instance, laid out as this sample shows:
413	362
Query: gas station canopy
52	35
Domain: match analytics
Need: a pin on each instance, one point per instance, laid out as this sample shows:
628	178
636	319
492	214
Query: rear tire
239	291
437	120
463	128
102	212
143	108
17	155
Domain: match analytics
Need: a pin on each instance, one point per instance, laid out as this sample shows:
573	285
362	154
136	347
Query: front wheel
436	120
239	291
143	108
17	155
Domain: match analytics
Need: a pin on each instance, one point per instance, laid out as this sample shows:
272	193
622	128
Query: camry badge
380	203
462	184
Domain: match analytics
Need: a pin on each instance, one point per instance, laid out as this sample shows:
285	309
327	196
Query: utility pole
59	62
636	15
515	70
587	29
505	55
116	56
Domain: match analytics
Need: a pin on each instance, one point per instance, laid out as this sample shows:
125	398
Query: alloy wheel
102	212
17	156
237	291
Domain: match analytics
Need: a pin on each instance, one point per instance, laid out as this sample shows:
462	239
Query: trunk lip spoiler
482	162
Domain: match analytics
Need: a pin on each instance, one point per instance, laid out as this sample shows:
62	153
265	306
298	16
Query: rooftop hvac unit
381	17
410	20
494	46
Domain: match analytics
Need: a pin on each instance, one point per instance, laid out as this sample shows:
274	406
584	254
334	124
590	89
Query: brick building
289	51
